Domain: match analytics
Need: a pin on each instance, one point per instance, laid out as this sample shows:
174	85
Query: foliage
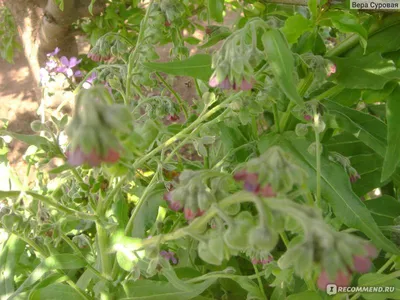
8	35
263	186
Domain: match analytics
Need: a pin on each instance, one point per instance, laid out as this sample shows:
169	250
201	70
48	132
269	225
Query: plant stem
102	243
276	118
285	239
196	82
318	157
134	54
77	251
387	264
141	201
260	285
48	201
177	97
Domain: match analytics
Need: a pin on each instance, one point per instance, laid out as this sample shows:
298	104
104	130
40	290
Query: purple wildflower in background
170	256
51	65
54	53
67	65
89	81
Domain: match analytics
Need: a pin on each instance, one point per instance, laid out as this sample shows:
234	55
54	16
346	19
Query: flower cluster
270	174
235	62
94	127
193	196
170	256
55	66
251	184
342	278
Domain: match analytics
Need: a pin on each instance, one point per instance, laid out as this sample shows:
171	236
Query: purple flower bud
174	205
307	118
170	256
246	86
267	191
54	53
354	177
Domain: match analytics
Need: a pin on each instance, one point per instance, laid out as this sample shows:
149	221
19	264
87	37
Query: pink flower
78	157
354	178
362	263
267	191
97	57
307	118
190	214
342	279
226	84
173	118
174	205
332	70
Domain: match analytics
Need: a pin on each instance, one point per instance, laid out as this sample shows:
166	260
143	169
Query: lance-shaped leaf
392	156
365	72
197	66
335	187
281	60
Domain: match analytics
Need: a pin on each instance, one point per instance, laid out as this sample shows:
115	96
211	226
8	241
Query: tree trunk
42	27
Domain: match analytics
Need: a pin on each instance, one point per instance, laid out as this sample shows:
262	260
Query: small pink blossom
78	157
226	84
332	70
342	279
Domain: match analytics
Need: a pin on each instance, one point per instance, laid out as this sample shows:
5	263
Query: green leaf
9	258
387	40
251	287
148	213
161	290
369	129
34	140
60	169
295	26
347	23
380	280
216	10
369	167
281	61
56	291
365	72
392	157
348	97
58	261
64	261
384	209
373	96
335	187
313	7
192	40
91	6
217	35
309	295
197	66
